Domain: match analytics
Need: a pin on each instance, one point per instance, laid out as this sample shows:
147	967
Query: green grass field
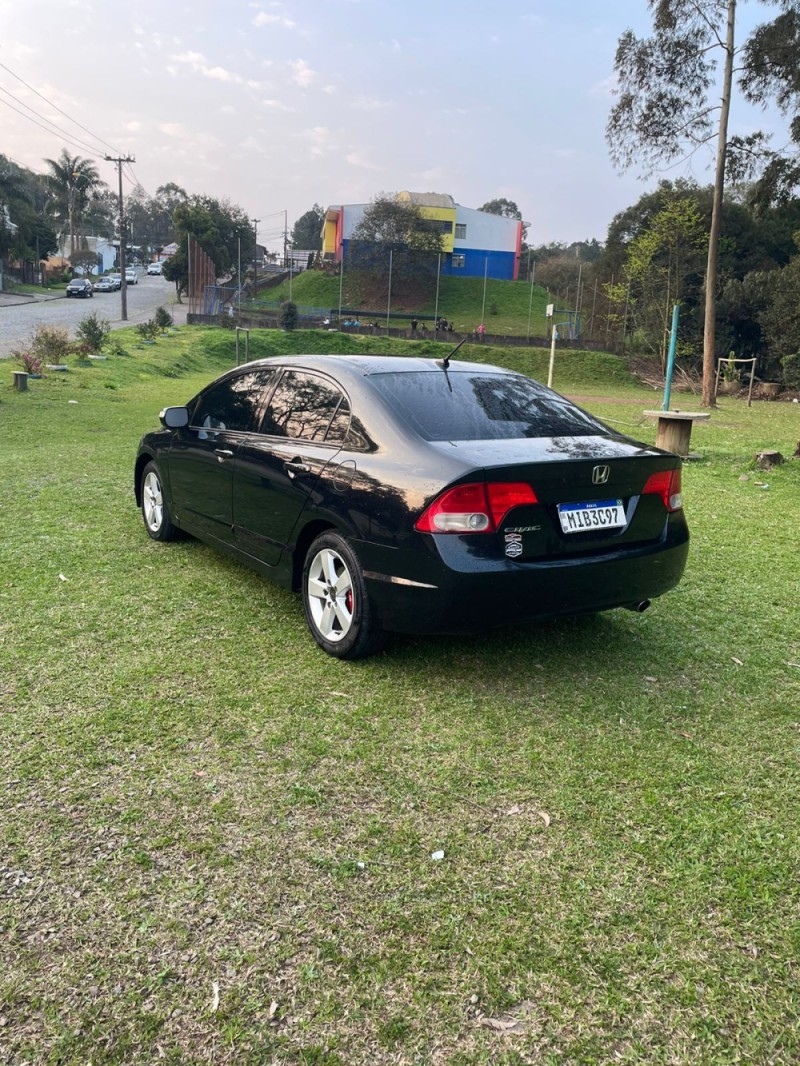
460	301
216	842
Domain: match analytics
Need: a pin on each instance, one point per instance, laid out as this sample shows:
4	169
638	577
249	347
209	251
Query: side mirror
174	417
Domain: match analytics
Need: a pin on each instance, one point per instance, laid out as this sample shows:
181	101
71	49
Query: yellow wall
443	214
329	237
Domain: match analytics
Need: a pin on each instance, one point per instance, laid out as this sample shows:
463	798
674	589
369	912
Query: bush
791	370
163	319
149	330
93	332
51	344
289	316
115	347
31	363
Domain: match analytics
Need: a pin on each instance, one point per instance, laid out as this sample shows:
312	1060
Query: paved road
17	322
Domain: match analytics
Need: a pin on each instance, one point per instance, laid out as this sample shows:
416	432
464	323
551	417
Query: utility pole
285	238
123	287
255	222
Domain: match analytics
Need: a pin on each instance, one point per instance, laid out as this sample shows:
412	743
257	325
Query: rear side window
303	407
233	404
478	406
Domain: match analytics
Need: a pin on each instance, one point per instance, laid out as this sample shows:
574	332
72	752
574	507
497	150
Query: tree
218	226
84	260
660	261
395	235
780	320
24	231
506	208
665	105
289	316
72	182
307	230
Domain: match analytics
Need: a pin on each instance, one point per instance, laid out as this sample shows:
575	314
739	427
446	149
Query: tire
155	512
335	601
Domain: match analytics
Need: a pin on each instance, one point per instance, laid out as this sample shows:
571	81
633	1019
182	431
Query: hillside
460	301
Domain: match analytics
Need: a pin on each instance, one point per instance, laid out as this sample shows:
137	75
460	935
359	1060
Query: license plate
585	517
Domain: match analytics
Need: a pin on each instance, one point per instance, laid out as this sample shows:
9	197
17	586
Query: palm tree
72	181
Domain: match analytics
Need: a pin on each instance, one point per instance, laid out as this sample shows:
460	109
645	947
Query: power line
61	133
60	111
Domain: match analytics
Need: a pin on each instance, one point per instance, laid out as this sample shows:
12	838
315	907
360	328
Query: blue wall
500	264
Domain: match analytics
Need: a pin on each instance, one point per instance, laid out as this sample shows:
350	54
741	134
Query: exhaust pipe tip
639	607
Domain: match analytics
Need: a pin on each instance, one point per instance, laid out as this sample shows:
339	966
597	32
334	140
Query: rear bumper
440	598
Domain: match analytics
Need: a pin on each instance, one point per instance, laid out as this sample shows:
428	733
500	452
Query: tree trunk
710	326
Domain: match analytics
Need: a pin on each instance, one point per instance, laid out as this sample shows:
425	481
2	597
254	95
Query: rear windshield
467	406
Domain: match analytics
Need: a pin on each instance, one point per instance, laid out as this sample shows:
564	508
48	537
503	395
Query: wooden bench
675	429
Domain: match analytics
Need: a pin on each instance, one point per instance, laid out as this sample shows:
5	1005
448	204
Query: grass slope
215	842
460	301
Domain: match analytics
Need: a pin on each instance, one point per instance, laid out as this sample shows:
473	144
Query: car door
202	456
277	468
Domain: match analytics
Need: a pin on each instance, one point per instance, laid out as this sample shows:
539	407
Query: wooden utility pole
710	325
123	287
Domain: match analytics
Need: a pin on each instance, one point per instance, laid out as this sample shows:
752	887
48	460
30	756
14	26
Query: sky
280	104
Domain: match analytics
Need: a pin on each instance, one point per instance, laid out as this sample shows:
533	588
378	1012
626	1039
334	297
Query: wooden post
675	429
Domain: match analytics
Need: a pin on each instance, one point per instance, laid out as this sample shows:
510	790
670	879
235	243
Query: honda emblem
600	475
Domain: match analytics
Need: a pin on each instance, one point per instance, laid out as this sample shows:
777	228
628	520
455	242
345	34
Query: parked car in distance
80	287
415	495
106	284
131	275
154	268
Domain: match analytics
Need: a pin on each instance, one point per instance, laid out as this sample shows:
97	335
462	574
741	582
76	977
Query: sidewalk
14	299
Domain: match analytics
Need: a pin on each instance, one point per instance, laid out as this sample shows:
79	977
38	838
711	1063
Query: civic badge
600	475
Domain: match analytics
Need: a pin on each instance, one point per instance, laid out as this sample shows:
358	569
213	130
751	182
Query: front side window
303	407
232	404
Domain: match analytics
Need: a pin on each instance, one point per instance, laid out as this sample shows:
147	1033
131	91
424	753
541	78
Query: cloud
276	105
370	103
264	19
252	144
173	129
133	126
197	62
302	74
320	140
360	160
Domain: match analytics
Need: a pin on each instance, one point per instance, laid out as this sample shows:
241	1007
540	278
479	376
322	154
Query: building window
458	261
461	231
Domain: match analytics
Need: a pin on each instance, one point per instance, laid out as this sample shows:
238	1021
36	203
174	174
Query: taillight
478	507
667	485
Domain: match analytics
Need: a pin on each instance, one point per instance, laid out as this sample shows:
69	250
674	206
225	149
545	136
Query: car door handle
222	454
296	467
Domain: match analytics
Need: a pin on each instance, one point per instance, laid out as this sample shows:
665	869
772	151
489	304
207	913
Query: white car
131	276
154	268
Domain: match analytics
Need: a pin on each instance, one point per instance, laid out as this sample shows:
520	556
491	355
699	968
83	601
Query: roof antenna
445	363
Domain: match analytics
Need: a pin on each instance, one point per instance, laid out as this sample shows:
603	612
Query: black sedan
80	287
416	496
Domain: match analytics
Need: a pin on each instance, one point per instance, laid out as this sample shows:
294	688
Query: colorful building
474	242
